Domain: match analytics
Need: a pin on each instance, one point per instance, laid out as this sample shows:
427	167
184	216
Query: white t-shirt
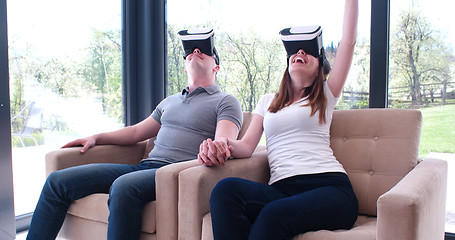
298	144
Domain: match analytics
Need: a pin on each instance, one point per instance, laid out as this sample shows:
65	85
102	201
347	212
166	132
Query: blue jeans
242	209
129	188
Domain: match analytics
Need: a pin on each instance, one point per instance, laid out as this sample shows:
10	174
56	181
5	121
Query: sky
268	17
264	17
57	27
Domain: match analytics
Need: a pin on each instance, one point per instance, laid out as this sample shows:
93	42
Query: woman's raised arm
345	51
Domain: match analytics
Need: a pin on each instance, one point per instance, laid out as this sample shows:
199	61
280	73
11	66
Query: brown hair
314	93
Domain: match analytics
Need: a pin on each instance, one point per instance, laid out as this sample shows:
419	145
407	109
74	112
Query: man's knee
121	186
126	190
56	181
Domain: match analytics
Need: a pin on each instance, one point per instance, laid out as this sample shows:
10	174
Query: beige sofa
87	217
399	196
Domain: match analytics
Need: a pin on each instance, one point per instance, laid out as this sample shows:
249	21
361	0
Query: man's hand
214	153
86	143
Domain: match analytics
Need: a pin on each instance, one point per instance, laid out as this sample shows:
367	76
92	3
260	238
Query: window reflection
65	81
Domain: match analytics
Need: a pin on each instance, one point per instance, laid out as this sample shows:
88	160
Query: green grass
438	130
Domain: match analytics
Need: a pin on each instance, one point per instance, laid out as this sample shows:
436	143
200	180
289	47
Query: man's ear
216	68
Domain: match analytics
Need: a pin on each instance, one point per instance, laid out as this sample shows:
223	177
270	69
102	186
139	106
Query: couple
307	183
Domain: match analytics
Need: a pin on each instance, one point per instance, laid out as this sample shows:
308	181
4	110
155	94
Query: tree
355	91
16	72
252	66
60	76
102	70
176	79
421	61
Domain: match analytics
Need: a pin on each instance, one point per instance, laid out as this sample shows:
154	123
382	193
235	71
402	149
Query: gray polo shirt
188	118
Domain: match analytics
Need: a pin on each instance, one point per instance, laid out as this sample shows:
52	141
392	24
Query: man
180	123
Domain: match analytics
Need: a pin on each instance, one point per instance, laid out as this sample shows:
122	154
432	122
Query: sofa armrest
167	186
196	184
69	157
414	209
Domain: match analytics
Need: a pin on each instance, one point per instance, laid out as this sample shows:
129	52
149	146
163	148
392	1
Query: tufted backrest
377	147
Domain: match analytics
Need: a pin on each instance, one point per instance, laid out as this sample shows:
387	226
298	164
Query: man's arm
126	136
230	121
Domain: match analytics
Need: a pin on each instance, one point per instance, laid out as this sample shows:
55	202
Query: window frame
7	223
379	53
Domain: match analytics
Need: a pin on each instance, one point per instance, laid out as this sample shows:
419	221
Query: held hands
214	153
86	143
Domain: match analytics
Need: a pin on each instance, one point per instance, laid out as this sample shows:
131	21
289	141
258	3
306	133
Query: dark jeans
129	188
242	209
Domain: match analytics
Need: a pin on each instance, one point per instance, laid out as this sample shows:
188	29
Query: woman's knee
272	214
228	183
225	188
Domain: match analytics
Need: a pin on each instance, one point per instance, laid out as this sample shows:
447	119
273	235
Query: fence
400	97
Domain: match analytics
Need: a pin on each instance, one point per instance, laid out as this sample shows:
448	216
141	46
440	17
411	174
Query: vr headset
308	38
201	38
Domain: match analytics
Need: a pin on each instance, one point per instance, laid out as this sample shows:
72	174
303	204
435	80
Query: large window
252	56
65	68
422	61
65	81
421	58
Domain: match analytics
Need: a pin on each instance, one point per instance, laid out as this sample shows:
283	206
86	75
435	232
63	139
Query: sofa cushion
364	229
94	207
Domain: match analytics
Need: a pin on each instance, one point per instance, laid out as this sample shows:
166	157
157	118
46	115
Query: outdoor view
65	68
252	56
422	60
422	64
65	81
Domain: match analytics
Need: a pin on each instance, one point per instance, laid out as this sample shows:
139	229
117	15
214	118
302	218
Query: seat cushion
94	208
364	229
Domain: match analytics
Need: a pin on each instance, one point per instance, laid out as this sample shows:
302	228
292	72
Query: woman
308	189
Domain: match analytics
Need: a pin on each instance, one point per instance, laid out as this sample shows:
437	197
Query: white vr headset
201	38
308	38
